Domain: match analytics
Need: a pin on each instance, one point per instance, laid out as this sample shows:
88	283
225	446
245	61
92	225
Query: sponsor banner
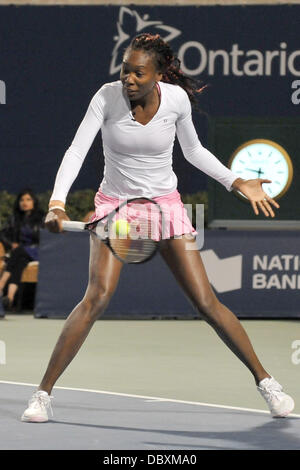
255	274
53	59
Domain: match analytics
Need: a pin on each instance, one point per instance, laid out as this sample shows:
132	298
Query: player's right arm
73	160
54	217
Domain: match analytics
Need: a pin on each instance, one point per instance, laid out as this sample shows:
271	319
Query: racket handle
73	226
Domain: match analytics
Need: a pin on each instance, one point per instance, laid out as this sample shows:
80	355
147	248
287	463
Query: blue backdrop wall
264	278
53	59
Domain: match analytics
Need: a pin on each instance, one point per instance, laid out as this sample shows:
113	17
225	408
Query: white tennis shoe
38	405
280	404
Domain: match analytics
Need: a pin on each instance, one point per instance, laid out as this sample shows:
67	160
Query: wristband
56	207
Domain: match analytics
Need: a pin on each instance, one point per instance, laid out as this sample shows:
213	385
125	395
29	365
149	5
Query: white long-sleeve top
138	158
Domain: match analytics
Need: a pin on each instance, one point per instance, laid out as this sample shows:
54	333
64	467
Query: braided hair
167	63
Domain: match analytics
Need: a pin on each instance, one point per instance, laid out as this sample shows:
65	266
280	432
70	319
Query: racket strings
132	251
144	228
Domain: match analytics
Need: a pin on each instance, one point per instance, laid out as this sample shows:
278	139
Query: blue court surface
97	420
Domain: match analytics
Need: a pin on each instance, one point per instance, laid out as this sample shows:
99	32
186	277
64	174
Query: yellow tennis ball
121	227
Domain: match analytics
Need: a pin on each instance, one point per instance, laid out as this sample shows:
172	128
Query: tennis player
139	116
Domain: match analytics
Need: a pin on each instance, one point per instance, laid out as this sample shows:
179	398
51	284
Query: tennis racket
132	231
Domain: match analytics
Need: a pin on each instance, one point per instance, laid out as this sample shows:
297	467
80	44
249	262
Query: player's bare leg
104	272
189	271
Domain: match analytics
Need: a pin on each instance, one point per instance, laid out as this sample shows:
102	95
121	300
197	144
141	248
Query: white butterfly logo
131	23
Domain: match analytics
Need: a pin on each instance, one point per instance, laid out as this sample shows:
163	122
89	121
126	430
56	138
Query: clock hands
259	172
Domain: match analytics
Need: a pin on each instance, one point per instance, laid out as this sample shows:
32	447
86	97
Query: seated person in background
20	238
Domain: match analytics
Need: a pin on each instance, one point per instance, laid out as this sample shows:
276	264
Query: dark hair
167	63
36	212
19	197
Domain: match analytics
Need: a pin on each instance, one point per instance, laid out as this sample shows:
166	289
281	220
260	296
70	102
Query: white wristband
57	207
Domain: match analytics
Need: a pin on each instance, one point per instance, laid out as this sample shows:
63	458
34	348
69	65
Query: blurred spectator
20	238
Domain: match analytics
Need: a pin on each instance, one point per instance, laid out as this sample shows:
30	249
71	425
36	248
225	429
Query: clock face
264	159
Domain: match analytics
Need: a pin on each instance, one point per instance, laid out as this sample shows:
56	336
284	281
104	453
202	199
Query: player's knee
96	302
208	309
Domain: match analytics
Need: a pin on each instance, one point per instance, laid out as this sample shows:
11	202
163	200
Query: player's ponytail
168	64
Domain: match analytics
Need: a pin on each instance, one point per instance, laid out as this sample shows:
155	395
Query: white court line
151	399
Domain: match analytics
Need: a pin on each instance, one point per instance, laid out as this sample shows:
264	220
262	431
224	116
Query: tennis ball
121	227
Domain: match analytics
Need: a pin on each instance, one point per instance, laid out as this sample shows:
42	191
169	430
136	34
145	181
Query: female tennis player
139	116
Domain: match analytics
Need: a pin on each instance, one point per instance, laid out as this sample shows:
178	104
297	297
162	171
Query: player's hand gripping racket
132	231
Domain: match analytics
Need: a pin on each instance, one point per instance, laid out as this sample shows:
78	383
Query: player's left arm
205	161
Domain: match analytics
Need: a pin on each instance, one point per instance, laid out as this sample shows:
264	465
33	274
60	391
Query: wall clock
262	158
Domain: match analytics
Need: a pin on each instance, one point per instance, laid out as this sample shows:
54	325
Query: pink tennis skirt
176	219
